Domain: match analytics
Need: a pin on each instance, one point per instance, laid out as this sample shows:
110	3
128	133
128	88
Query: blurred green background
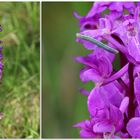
19	88
63	105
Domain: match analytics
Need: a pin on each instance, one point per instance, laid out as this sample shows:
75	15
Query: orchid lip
98	43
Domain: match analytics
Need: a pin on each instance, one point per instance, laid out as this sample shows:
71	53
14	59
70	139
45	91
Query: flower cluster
110	30
1	56
1	66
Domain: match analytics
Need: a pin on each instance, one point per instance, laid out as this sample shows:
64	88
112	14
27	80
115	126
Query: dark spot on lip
89	26
117	39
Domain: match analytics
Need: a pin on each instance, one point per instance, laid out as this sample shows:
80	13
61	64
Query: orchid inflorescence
1	66
109	30
1	56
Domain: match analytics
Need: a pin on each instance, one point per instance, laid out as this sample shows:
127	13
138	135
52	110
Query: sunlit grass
19	89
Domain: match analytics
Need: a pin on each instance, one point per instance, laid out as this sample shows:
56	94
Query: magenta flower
114	102
98	67
1	56
107	108
1	66
87	129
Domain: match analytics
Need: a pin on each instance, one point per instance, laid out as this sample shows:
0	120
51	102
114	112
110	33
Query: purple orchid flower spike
110	30
1	56
1	67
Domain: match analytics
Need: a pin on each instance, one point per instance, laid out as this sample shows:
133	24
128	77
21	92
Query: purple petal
89	61
80	125
86	134
124	104
99	67
116	6
129	6
134	49
105	66
84	92
116	117
100	52
77	15
89	134
115	96
102	127
117	75
137	89
97	8
95	101
90	74
105	23
94	33
133	127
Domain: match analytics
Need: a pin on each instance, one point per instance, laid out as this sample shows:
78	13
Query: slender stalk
131	107
122	83
123	59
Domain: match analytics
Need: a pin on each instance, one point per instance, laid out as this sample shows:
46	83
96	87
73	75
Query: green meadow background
19	88
63	105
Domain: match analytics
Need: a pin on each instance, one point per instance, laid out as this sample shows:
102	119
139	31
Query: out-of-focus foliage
63	106
19	89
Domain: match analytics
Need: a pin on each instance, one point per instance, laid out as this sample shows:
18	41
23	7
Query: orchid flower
110	30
